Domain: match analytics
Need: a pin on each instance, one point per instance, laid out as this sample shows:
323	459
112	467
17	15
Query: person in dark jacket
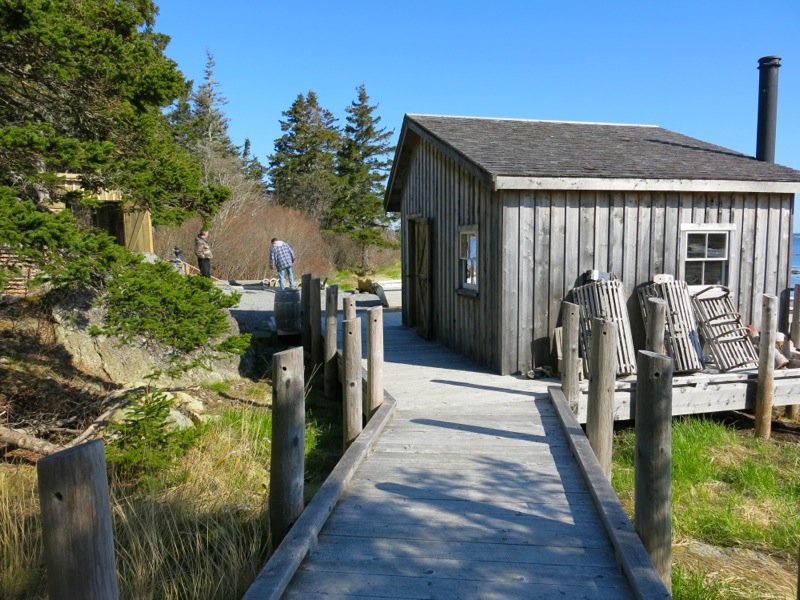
281	258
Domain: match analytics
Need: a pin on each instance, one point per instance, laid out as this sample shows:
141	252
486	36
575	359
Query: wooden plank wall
447	195
633	235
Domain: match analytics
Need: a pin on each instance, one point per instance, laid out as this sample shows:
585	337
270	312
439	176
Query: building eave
505	182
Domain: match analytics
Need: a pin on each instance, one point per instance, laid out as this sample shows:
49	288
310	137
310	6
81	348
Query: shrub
155	302
145	441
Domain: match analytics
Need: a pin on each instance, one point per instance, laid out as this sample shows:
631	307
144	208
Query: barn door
421	277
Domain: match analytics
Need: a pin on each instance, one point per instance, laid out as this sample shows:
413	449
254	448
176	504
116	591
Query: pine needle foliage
158	304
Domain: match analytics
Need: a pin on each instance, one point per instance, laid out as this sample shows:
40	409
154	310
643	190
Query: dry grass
21	573
203	533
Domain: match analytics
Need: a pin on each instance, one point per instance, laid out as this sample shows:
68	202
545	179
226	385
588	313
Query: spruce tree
302	168
209	120
362	164
82	87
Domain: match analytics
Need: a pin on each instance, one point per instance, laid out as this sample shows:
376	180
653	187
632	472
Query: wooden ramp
469	491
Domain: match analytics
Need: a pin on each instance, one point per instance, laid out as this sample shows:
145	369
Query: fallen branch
22	440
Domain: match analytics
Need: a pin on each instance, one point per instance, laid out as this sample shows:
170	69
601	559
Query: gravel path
255	311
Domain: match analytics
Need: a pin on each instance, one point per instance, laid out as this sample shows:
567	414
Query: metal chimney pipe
767	107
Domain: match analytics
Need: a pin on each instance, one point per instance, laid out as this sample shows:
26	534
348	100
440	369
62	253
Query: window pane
713	273
473	246
717	245
696	245
463	245
694	273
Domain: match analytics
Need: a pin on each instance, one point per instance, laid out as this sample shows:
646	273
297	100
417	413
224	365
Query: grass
200	529
348	280
736	509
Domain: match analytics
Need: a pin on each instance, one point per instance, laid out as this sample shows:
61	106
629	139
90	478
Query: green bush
155	302
145	440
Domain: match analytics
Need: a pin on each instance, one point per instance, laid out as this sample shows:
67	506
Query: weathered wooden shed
500	217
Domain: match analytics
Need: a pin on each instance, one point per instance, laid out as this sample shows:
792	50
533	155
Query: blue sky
688	66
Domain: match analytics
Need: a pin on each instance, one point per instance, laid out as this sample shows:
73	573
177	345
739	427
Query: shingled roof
515	153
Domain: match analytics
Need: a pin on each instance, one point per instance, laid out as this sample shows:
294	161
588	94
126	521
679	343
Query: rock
128	364
177	420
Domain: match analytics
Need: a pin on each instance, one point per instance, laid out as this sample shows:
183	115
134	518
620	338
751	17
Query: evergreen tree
302	168
252	168
362	164
82	88
209	120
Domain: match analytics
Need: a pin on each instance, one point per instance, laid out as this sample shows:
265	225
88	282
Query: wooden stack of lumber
606	300
18	285
681	336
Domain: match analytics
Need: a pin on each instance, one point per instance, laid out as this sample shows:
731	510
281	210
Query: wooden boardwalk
470	491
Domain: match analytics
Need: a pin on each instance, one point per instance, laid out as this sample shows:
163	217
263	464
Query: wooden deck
471	489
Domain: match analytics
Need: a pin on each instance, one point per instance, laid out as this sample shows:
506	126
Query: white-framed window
705	253
468	257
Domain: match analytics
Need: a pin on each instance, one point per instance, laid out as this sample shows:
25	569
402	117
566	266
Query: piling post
331	323
305	312
351	380
349	308
77	528
795	329
765	389
653	459
374	360
656	325
600	408
316	323
570	321
794	409
288	442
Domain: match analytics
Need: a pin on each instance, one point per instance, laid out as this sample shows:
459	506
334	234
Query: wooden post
288	442
351	380
349	308
765	389
570	320
602	375
794	409
305	312
316	323
795	330
653	459
374	360
656	324
76	523
331	323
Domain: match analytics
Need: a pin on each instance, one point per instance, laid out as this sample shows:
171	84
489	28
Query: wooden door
421	277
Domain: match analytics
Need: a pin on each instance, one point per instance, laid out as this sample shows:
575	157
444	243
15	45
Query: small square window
705	261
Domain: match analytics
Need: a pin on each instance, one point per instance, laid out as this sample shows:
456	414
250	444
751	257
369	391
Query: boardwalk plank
470	492
468	570
388	586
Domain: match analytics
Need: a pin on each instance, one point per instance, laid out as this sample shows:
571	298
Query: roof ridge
535	120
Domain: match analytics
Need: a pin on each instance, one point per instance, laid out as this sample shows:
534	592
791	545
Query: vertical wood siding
633	235
533	246
450	197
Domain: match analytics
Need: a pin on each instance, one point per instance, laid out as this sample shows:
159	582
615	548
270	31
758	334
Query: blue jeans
291	276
